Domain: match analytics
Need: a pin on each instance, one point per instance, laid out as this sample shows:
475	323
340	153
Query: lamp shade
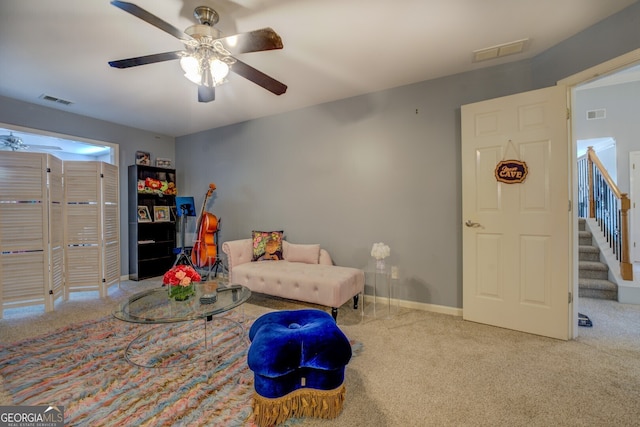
191	68
219	70
211	74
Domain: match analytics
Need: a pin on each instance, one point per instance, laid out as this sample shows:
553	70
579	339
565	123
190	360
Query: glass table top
154	305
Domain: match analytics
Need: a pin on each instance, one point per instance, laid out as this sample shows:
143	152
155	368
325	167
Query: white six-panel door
517	248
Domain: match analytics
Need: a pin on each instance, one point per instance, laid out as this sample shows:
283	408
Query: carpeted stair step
588	253
597	288
582	224
592	270
584	238
593	275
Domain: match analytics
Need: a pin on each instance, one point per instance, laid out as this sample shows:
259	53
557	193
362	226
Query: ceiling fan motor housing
205	15
200	31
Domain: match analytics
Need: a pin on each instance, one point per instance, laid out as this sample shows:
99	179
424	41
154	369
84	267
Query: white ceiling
333	49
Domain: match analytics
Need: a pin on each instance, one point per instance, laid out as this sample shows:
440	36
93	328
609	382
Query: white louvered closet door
111	224
56	230
24	249
92	226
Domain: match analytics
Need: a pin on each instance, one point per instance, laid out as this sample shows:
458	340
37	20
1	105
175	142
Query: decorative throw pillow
267	245
309	254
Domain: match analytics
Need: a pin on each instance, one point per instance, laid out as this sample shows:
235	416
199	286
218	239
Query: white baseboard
442	309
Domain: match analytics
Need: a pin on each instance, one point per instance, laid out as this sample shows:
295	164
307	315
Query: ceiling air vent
55	99
499	51
596	114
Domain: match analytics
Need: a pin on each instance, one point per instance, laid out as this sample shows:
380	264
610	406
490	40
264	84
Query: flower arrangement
180	280
380	251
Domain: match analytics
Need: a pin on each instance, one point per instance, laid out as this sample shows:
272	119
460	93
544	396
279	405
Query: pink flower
181	275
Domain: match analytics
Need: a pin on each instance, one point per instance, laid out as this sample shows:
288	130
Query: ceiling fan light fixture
191	67
219	70
210	73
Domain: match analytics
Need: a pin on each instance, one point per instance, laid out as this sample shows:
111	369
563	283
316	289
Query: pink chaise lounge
306	274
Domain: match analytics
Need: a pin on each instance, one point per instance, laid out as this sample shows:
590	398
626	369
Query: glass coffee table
177	339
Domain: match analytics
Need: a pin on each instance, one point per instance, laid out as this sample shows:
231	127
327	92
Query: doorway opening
65	147
602	100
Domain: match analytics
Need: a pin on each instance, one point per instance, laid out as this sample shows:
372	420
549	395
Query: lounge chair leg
355	301
334	313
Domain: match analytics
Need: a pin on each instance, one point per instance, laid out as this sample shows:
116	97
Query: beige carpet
419	368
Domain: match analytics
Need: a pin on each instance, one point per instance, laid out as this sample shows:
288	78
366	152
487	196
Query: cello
204	249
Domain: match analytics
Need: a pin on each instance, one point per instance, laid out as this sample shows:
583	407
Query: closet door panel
82	224
83	268
23	276
22	226
21	176
112	263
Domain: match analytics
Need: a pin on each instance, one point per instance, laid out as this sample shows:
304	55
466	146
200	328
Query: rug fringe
304	402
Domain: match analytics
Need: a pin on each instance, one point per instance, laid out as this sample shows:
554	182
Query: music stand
185	206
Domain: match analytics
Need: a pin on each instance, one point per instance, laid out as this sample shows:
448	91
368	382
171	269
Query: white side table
381	280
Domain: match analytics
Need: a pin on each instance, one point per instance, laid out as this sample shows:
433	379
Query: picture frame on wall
143	214
163	163
161	214
143	158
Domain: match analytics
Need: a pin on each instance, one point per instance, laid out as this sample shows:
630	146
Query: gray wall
350	173
605	40
129	140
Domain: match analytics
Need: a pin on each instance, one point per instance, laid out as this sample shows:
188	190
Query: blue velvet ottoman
298	359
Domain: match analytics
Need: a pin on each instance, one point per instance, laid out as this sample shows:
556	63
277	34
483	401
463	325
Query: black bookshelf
152	239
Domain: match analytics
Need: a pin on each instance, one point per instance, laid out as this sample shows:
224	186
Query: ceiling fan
207	58
15	143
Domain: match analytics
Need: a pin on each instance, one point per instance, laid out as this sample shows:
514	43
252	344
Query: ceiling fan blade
148	59
151	19
206	94
253	41
258	77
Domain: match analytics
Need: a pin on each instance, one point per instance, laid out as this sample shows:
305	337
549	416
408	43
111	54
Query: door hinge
568	113
569	205
570	297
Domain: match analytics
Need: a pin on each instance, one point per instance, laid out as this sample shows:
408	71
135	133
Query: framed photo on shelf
161	214
143	214
143	158
163	163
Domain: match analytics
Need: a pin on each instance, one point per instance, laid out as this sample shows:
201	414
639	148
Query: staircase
593	275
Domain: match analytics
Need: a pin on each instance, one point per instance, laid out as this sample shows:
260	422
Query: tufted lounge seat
318	283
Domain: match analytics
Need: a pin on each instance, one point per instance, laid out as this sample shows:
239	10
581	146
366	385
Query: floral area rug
83	368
